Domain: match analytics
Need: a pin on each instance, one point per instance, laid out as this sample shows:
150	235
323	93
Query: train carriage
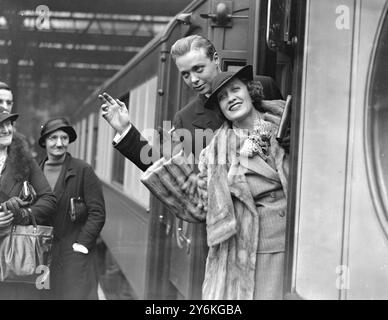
331	57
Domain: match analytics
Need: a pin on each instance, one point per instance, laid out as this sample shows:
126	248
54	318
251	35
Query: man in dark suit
198	64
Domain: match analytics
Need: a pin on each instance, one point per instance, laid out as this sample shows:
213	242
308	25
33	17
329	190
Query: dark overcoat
74	274
18	168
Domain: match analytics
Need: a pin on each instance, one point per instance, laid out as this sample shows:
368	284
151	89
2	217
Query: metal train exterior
332	57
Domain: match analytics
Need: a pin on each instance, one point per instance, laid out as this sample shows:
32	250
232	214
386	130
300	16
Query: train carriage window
377	123
142	113
82	139
93	140
280	41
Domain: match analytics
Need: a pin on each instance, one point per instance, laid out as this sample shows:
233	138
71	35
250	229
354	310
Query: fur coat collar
18	159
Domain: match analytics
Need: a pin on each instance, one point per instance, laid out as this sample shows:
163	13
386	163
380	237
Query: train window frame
142	111
92	139
232	64
374	130
278	31
118	161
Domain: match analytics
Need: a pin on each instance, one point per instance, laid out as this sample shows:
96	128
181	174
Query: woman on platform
17	166
79	218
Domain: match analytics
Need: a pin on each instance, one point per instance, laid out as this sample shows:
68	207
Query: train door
278	52
337	236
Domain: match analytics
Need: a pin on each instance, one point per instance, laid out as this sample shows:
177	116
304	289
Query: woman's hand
273	113
273	110
14	204
190	186
17	207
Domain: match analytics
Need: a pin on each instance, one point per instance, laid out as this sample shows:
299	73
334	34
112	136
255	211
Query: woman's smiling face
235	101
6	133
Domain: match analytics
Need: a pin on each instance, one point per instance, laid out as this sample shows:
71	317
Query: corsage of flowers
258	141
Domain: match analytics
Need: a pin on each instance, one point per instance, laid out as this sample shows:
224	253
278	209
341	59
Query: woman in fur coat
17	166
240	192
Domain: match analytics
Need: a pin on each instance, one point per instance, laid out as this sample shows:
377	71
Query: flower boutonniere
258	141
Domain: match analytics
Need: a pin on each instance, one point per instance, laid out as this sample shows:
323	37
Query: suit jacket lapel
258	165
205	118
202	122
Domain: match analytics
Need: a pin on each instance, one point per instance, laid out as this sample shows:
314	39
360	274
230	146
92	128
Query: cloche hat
223	78
5	115
54	125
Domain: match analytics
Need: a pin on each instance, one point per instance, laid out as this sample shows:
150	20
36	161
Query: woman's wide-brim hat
54	125
5	115
222	79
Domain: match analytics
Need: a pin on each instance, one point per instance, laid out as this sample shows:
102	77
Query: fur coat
20	167
223	199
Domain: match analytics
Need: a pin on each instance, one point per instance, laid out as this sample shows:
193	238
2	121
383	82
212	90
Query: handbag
25	248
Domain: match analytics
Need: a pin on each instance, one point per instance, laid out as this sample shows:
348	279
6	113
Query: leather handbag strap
33	219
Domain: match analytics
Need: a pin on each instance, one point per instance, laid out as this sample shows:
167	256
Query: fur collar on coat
18	158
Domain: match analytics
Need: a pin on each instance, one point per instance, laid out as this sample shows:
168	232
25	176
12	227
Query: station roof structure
53	53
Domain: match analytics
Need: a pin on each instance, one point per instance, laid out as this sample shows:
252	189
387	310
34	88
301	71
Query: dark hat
54	125
223	78
5	115
5	86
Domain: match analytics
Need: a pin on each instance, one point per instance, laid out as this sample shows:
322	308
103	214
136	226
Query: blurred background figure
6	97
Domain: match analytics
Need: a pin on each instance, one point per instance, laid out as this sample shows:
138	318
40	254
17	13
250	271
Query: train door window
118	160
103	153
377	124
231	65
281	25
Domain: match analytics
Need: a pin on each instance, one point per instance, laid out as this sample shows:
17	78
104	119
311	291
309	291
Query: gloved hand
22	217
17	207
15	203
273	113
286	141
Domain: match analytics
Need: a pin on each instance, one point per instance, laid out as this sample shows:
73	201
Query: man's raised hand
114	112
